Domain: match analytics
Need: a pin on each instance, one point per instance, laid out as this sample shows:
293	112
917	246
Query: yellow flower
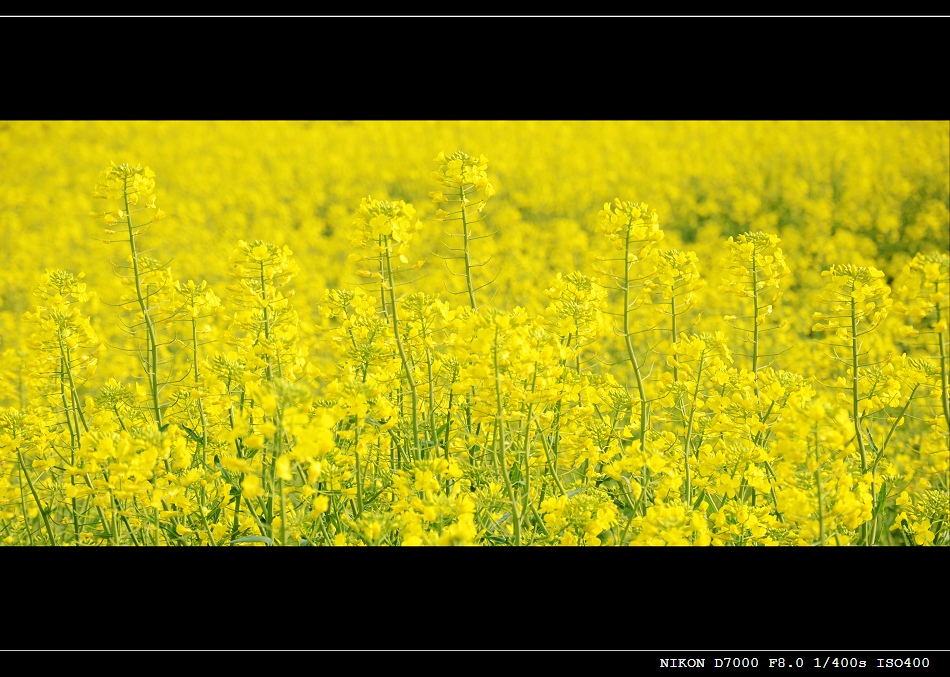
251	487
282	468
321	504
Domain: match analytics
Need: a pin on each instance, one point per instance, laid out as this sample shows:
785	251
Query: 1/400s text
799	662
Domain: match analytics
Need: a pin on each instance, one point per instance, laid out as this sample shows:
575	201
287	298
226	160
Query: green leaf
254	539
881	498
191	433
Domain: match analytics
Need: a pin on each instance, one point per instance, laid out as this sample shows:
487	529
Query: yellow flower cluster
257	396
857	295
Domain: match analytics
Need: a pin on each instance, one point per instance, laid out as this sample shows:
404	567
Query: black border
520	67
476	598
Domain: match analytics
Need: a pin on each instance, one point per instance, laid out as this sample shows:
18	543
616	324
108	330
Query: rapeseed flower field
585	333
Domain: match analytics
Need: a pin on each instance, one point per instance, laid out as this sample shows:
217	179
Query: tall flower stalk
633	228
132	187
465	191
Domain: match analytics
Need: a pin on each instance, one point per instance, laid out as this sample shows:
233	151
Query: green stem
413	394
676	376
201	411
500	444
890	432
854	404
448	418
73	427
527	446
628	341
821	504
283	512
359	477
755	324
204	518
49	530
382	284
74	396
432	429
551	463
944	386
689	431
466	235
151	340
